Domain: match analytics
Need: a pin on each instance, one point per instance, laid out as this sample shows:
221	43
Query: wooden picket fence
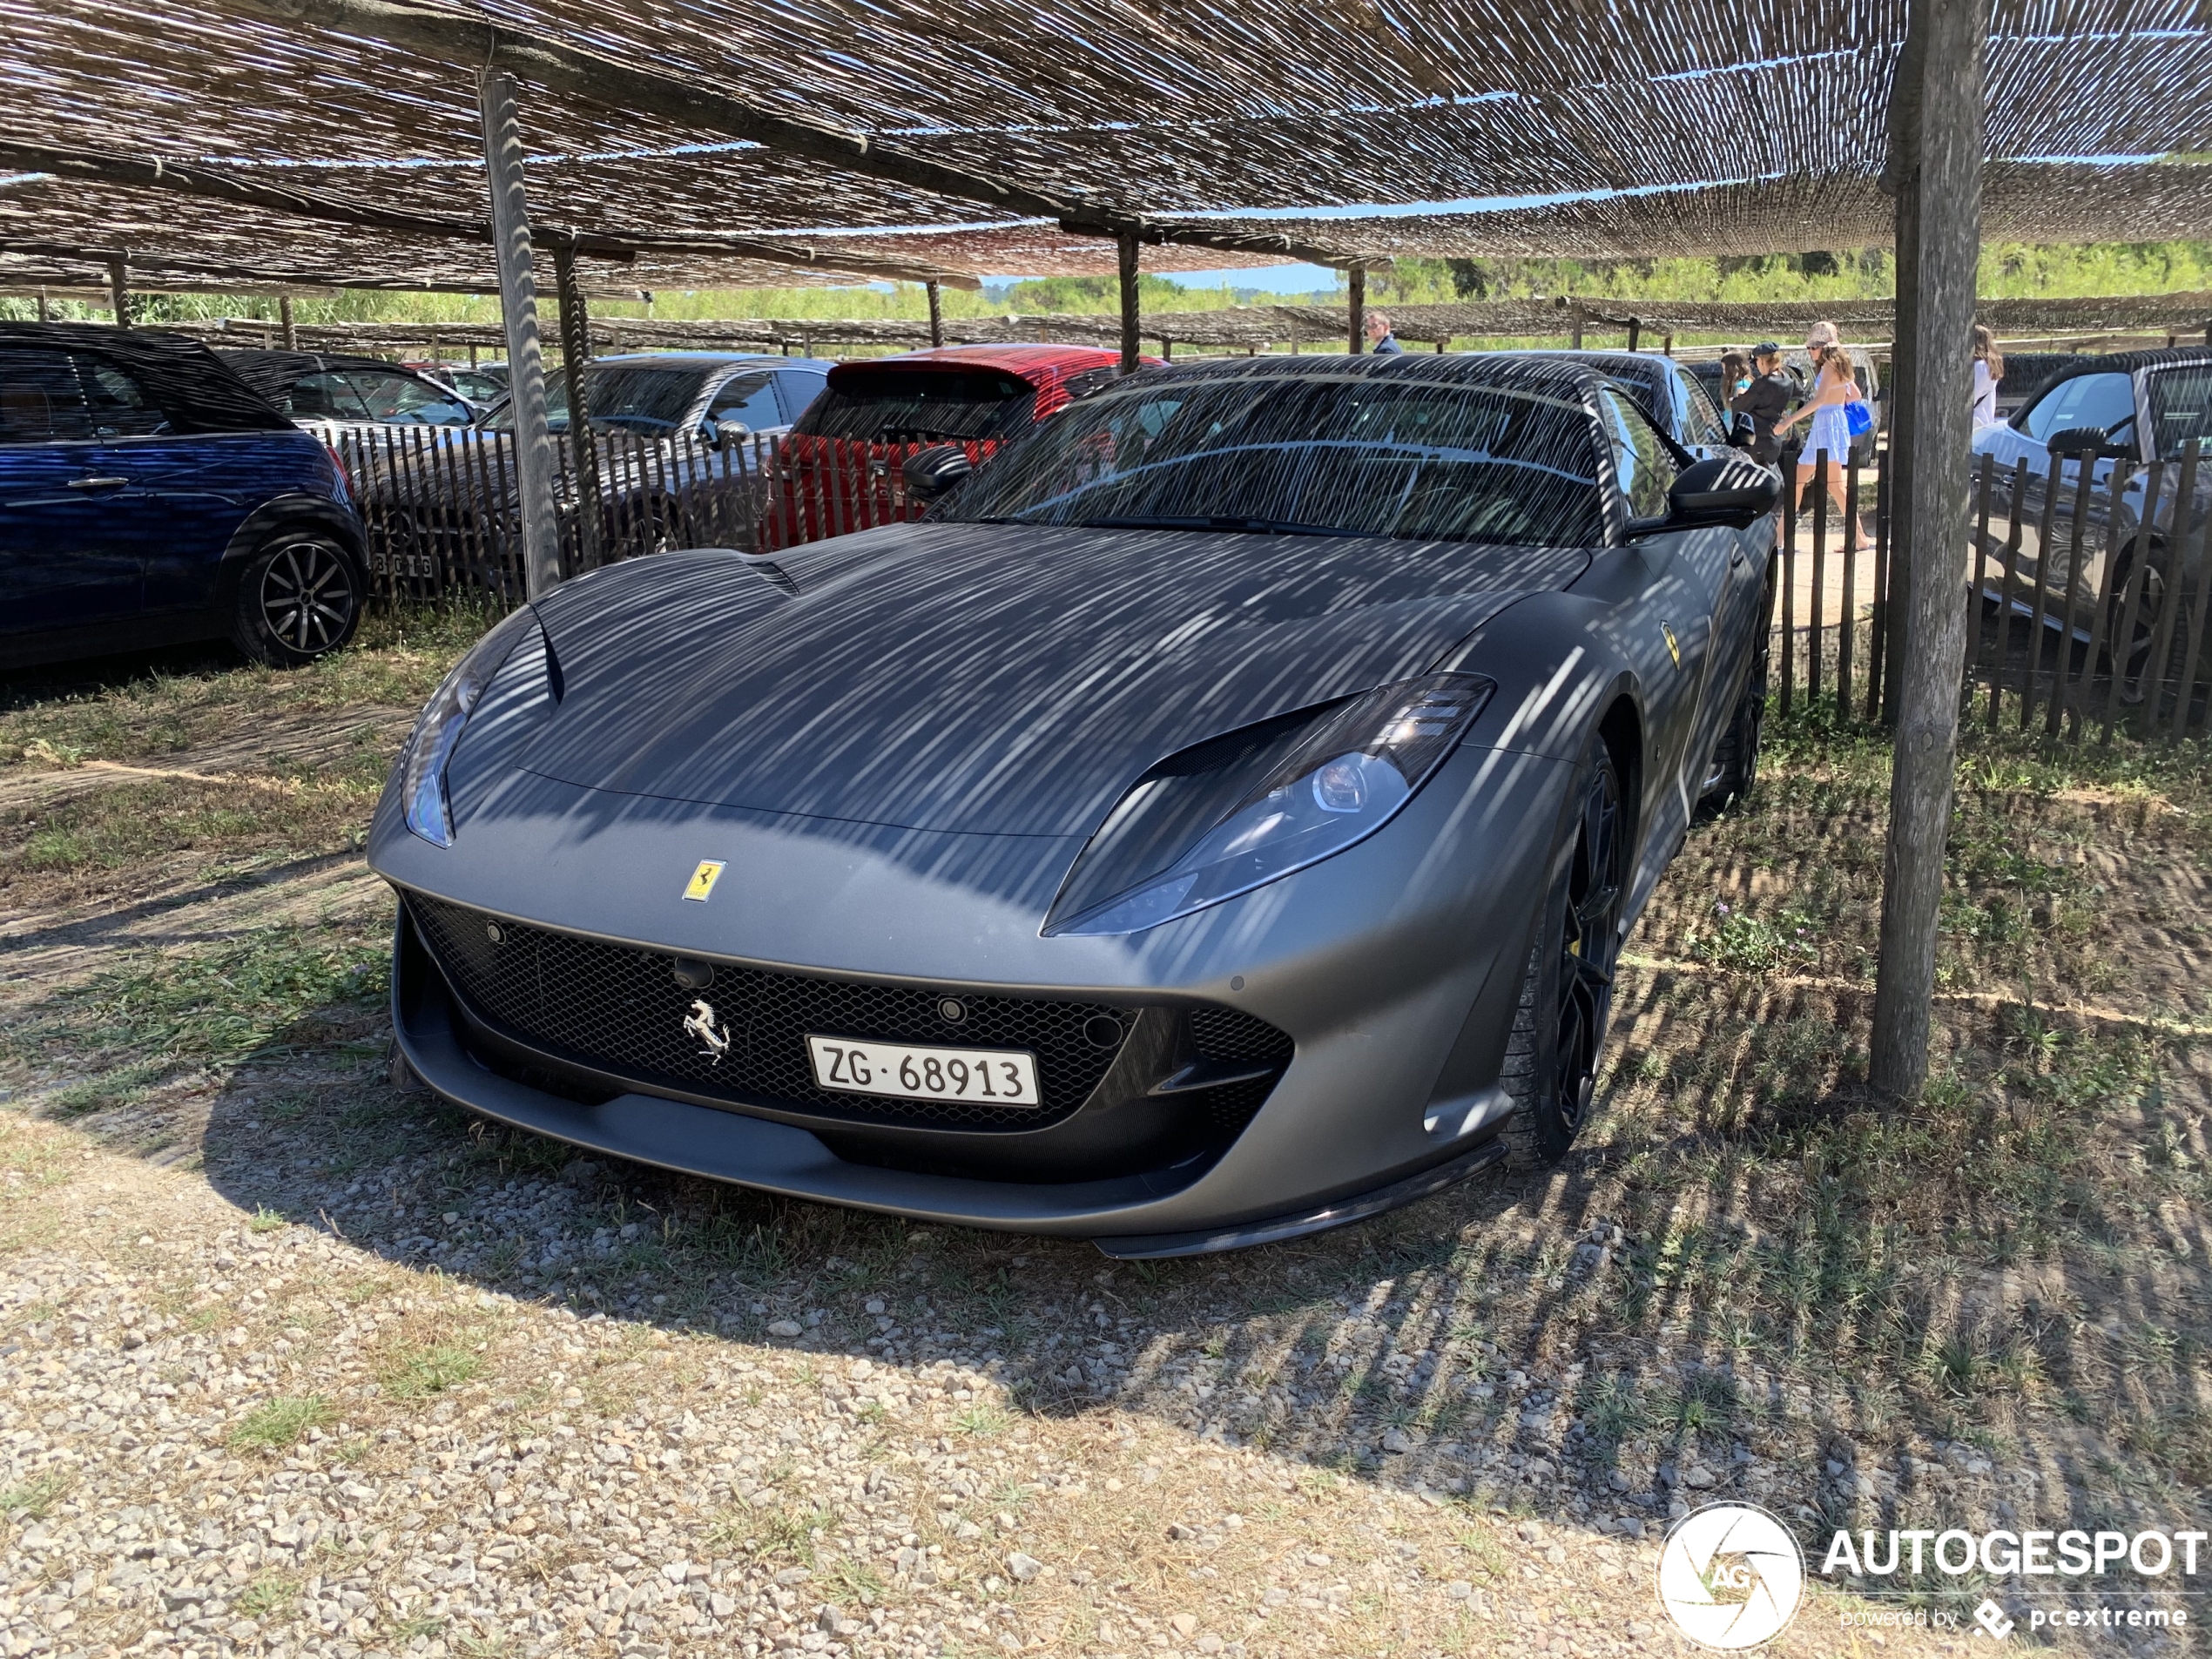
439	511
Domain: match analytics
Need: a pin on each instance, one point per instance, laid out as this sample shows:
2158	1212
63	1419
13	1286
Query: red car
839	471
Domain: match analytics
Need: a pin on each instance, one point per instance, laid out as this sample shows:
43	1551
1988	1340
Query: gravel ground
276	1405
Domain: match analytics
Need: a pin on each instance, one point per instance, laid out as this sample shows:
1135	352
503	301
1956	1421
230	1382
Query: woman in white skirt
1827	446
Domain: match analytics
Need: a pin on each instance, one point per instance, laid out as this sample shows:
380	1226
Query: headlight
1248	808
423	766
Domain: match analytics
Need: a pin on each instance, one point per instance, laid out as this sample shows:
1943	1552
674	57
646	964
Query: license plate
987	1076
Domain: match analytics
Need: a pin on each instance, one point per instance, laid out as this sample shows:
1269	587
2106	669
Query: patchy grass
156	1014
274	1425
418	1371
134	710
34	1500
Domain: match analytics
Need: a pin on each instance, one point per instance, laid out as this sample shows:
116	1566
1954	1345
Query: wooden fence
2085	582
440	514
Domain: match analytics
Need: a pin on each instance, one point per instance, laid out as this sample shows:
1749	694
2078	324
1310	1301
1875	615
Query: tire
1558	1027
299	598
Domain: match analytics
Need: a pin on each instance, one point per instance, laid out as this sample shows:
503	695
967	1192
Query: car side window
1700	422
748	401
798	391
321	397
41	398
400	400
2106	401
119	407
1646	467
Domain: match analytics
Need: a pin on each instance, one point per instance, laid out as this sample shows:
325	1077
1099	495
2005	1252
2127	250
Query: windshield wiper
1238	521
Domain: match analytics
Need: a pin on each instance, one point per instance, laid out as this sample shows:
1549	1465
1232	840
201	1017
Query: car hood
984	678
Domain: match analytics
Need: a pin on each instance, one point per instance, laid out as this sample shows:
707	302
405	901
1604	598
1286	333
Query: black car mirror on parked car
929	473
1732	491
2076	440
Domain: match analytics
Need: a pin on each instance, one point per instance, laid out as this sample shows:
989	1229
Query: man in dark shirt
1380	341
1766	399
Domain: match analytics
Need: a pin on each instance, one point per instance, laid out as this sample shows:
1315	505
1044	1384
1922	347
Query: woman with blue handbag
1838	413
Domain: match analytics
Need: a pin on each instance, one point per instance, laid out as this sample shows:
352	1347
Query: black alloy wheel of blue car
1566	996
299	598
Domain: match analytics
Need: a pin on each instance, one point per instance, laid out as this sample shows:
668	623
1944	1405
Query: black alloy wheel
299	598
1566	996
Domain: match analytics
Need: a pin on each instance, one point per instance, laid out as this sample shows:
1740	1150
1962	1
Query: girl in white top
1989	368
1827	446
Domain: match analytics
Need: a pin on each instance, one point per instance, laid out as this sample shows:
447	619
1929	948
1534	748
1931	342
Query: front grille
620	1010
1226	1034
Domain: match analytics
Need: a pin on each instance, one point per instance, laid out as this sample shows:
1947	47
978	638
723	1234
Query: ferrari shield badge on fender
1674	650
701	886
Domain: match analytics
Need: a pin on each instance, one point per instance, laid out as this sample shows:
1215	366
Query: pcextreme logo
1730	1576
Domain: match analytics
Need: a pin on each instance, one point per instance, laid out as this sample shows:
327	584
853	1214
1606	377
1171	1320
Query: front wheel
299	598
1567	994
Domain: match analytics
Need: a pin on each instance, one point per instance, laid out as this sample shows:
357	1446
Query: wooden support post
1126	259
534	463
284	318
936	315
1357	278
1936	122
1636	331
1574	319
118	288
584	449
1666	344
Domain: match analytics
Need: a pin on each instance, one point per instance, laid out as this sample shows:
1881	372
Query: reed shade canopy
1017	137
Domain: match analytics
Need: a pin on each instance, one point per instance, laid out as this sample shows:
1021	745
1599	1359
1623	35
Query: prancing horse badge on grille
700	1023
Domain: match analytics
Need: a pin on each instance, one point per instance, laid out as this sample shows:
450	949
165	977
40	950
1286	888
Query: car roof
194	383
2128	363
1615	363
1037	364
1556	373
717	359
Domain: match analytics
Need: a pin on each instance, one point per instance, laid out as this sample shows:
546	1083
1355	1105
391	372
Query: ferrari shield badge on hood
701	886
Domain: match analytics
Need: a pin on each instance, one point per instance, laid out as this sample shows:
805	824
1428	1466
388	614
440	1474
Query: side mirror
1731	490
717	433
2077	440
929	473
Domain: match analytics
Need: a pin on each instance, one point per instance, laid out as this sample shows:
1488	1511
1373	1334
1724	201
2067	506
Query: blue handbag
1858	417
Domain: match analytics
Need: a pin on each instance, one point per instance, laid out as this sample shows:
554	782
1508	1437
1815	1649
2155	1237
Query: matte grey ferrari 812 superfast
1218	821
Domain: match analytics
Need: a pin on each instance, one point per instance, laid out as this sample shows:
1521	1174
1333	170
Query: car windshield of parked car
401	400
1344	455
870	404
2106	402
617	397
2181	410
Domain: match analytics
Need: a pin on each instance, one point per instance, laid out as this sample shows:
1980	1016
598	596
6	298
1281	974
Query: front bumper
1396	978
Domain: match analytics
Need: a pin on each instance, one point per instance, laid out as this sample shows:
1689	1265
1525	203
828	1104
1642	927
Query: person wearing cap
1766	399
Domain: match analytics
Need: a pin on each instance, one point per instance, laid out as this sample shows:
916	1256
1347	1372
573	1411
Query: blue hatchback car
148	496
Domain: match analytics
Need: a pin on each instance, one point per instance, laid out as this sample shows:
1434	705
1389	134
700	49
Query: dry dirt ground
296	1361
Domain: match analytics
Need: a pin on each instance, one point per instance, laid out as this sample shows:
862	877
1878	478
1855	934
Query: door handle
98	483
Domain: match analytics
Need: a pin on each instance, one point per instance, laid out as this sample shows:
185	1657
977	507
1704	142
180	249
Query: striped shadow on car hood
986	678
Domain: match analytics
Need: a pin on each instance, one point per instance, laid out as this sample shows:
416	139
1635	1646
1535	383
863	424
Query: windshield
1315	452
875	405
628	397
2180	411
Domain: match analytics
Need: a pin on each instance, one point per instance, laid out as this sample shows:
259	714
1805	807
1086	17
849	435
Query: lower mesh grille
1226	1033
620	1010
